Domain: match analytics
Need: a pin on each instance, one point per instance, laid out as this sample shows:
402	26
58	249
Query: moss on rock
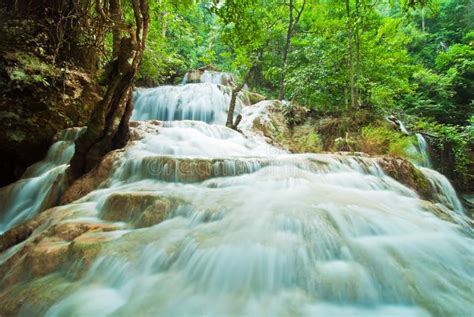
406	173
139	209
34	297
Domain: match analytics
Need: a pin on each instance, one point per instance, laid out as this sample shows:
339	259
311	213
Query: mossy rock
86	248
47	256
406	173
33	298
139	209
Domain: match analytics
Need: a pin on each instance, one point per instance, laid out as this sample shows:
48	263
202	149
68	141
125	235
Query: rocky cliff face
40	92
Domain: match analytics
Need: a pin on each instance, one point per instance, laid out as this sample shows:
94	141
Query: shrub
307	143
381	140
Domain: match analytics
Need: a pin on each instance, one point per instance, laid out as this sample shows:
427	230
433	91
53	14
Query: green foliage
182	36
307	143
319	73
30	70
249	28
381	140
444	81
294	114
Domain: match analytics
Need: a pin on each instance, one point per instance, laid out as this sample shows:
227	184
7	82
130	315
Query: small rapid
424	160
212	222
444	193
201	102
41	185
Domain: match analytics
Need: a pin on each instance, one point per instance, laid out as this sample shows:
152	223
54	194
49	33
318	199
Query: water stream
444	191
219	223
41	185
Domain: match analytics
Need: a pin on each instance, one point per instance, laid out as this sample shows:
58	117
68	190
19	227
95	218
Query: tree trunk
289	34
116	17
108	126
233	99
281	93
230	113
423	19
351	55
357	50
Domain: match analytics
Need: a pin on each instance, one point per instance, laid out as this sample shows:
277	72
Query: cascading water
204	102
216	223
208	76
443	190
423	150
445	193
40	186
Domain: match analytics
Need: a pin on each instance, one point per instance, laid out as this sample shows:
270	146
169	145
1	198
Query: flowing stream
424	160
444	192
40	186
218	223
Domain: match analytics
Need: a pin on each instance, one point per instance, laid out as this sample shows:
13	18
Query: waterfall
423	151
41	185
208	76
203	102
216	78
212	222
444	192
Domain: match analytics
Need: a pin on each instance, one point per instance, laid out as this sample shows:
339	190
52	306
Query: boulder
406	173
139	209
46	256
39	293
48	244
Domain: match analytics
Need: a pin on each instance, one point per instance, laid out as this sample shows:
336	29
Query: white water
442	188
216	77
212	77
445	193
403	129
40	186
260	232
424	160
203	102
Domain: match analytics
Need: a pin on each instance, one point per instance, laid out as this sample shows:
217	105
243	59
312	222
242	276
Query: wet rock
194	76
139	129
140	209
39	293
126	206
406	173
70	231
85	248
46	256
51	245
17	234
209	73
172	169
157	212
